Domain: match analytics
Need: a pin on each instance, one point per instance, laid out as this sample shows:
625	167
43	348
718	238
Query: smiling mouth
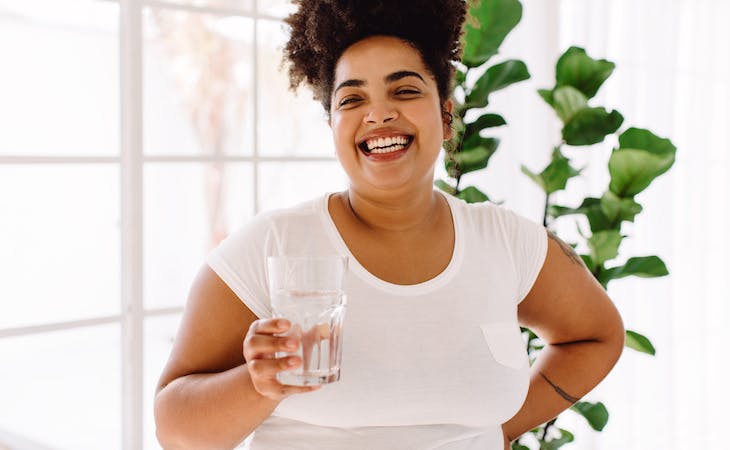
385	145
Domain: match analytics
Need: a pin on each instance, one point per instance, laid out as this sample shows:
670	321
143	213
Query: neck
394	212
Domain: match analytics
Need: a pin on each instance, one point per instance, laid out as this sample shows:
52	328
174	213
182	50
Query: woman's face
386	116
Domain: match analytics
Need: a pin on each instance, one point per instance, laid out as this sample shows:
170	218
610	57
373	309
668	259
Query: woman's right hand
259	348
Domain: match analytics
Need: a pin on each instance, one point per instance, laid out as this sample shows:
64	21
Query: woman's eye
348	101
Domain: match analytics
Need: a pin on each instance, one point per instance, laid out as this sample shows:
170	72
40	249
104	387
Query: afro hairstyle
321	30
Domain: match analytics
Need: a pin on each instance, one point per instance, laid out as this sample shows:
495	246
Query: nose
381	112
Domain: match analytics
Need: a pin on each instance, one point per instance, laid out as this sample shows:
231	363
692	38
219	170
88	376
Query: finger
258	346
269	326
250	354
285	390
268	368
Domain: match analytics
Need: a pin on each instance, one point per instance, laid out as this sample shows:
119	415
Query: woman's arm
583	332
207	396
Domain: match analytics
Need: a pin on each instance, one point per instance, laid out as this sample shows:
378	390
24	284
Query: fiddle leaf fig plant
634	164
470	150
638	159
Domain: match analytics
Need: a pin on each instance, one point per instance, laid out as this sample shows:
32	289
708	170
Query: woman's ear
448	118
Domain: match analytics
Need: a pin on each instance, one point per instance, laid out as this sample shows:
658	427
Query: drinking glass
308	291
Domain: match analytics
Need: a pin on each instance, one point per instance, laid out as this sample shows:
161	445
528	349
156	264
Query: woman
433	357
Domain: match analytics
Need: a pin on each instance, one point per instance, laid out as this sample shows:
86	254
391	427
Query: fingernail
291	344
292	361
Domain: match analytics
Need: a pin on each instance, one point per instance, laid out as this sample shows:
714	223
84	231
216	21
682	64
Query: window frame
131	162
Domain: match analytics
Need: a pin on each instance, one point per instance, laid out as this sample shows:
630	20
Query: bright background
134	135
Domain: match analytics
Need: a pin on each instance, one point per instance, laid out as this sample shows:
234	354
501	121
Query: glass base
292	378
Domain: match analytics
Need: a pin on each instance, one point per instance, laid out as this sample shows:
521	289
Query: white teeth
390	149
376	144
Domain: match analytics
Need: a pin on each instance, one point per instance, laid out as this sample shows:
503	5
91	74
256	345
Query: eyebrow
393	77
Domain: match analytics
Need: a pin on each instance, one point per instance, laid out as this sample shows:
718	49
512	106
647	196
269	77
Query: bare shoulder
567	303
211	333
566	249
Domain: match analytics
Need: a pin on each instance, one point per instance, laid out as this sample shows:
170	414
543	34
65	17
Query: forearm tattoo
560	392
567	249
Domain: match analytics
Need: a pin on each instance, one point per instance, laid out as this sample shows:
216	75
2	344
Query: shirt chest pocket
505	343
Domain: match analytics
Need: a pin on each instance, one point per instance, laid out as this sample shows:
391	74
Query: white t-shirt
436	365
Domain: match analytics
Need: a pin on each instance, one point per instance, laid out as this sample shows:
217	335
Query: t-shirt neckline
399	289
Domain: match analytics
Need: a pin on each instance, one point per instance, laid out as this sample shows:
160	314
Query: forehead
377	56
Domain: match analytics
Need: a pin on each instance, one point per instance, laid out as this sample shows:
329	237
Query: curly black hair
321	30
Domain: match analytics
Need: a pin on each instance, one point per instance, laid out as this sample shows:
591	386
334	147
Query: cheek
433	125
343	128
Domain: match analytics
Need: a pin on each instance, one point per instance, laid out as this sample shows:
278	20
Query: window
136	135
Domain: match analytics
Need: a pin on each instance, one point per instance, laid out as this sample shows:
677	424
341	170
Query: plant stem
597	271
545	212
547	426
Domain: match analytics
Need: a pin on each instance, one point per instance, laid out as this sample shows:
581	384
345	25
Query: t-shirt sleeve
240	261
527	243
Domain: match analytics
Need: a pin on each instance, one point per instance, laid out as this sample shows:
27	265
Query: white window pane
60	77
287	124
198	91
63	389
234	5
278	8
59	243
286	184
189	208
159	334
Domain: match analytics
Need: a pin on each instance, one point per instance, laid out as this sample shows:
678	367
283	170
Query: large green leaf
473	155
484	121
591	125
547	95
554	444
556	174
595	413
518	446
472	195
641	157
597	219
604	245
639	343
642	139
444	186
490	143
567	102
633	170
575	68
591	208
556	211
618	209
641	266
490	22
476	157
460	77
495	78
